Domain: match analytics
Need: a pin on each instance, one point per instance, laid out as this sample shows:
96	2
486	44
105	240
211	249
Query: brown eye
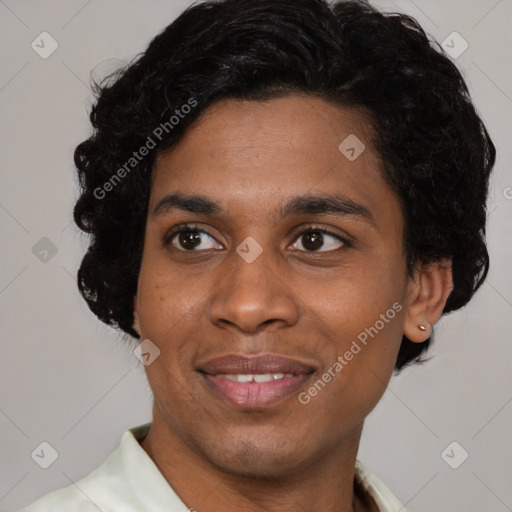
313	240
189	239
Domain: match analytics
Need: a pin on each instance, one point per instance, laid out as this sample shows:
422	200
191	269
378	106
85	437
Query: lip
254	395
260	363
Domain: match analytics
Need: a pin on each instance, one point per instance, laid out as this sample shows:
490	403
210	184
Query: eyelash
168	237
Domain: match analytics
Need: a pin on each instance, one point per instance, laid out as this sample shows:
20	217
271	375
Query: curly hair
436	152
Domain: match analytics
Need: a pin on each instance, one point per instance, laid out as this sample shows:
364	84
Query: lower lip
252	395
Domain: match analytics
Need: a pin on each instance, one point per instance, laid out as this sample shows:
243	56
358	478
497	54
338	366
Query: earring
422	327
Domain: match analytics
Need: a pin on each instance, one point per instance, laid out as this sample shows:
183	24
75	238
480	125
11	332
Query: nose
253	295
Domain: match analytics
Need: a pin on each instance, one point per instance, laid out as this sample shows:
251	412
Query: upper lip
255	364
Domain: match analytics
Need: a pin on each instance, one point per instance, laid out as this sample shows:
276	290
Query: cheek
162	301
362	313
374	341
169	294
361	368
356	297
163	311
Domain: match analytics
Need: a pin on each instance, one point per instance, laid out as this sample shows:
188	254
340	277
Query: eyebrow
309	204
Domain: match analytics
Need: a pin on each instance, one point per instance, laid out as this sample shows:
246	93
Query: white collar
129	481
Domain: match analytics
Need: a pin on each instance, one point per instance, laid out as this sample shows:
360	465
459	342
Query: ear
428	291
136	324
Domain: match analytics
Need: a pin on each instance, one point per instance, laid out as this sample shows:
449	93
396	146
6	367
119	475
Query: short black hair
436	152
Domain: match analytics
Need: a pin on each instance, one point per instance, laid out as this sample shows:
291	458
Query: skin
251	157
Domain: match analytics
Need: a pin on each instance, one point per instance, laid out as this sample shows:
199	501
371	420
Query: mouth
251	382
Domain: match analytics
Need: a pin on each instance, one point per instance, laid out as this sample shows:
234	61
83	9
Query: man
283	199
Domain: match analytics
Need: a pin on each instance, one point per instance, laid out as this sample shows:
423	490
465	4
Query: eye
189	238
312	239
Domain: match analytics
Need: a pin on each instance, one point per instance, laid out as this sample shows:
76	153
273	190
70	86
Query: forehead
249	153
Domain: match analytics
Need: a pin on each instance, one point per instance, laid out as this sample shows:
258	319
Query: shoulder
90	494
384	498
66	499
112	486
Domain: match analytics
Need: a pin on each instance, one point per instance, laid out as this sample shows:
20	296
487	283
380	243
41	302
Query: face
250	270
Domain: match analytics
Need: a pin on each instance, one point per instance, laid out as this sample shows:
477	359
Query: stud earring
422	327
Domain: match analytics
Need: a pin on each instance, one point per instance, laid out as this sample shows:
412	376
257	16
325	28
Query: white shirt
129	481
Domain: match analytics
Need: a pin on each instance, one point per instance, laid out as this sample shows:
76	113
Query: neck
324	484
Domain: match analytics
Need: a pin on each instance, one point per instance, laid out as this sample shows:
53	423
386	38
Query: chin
259	457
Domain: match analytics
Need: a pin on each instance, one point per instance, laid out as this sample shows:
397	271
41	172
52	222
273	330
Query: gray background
69	380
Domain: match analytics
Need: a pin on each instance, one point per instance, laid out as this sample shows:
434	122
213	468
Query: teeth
260	377
266	377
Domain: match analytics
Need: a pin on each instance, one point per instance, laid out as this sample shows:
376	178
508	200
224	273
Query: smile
259	377
254	391
254	381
